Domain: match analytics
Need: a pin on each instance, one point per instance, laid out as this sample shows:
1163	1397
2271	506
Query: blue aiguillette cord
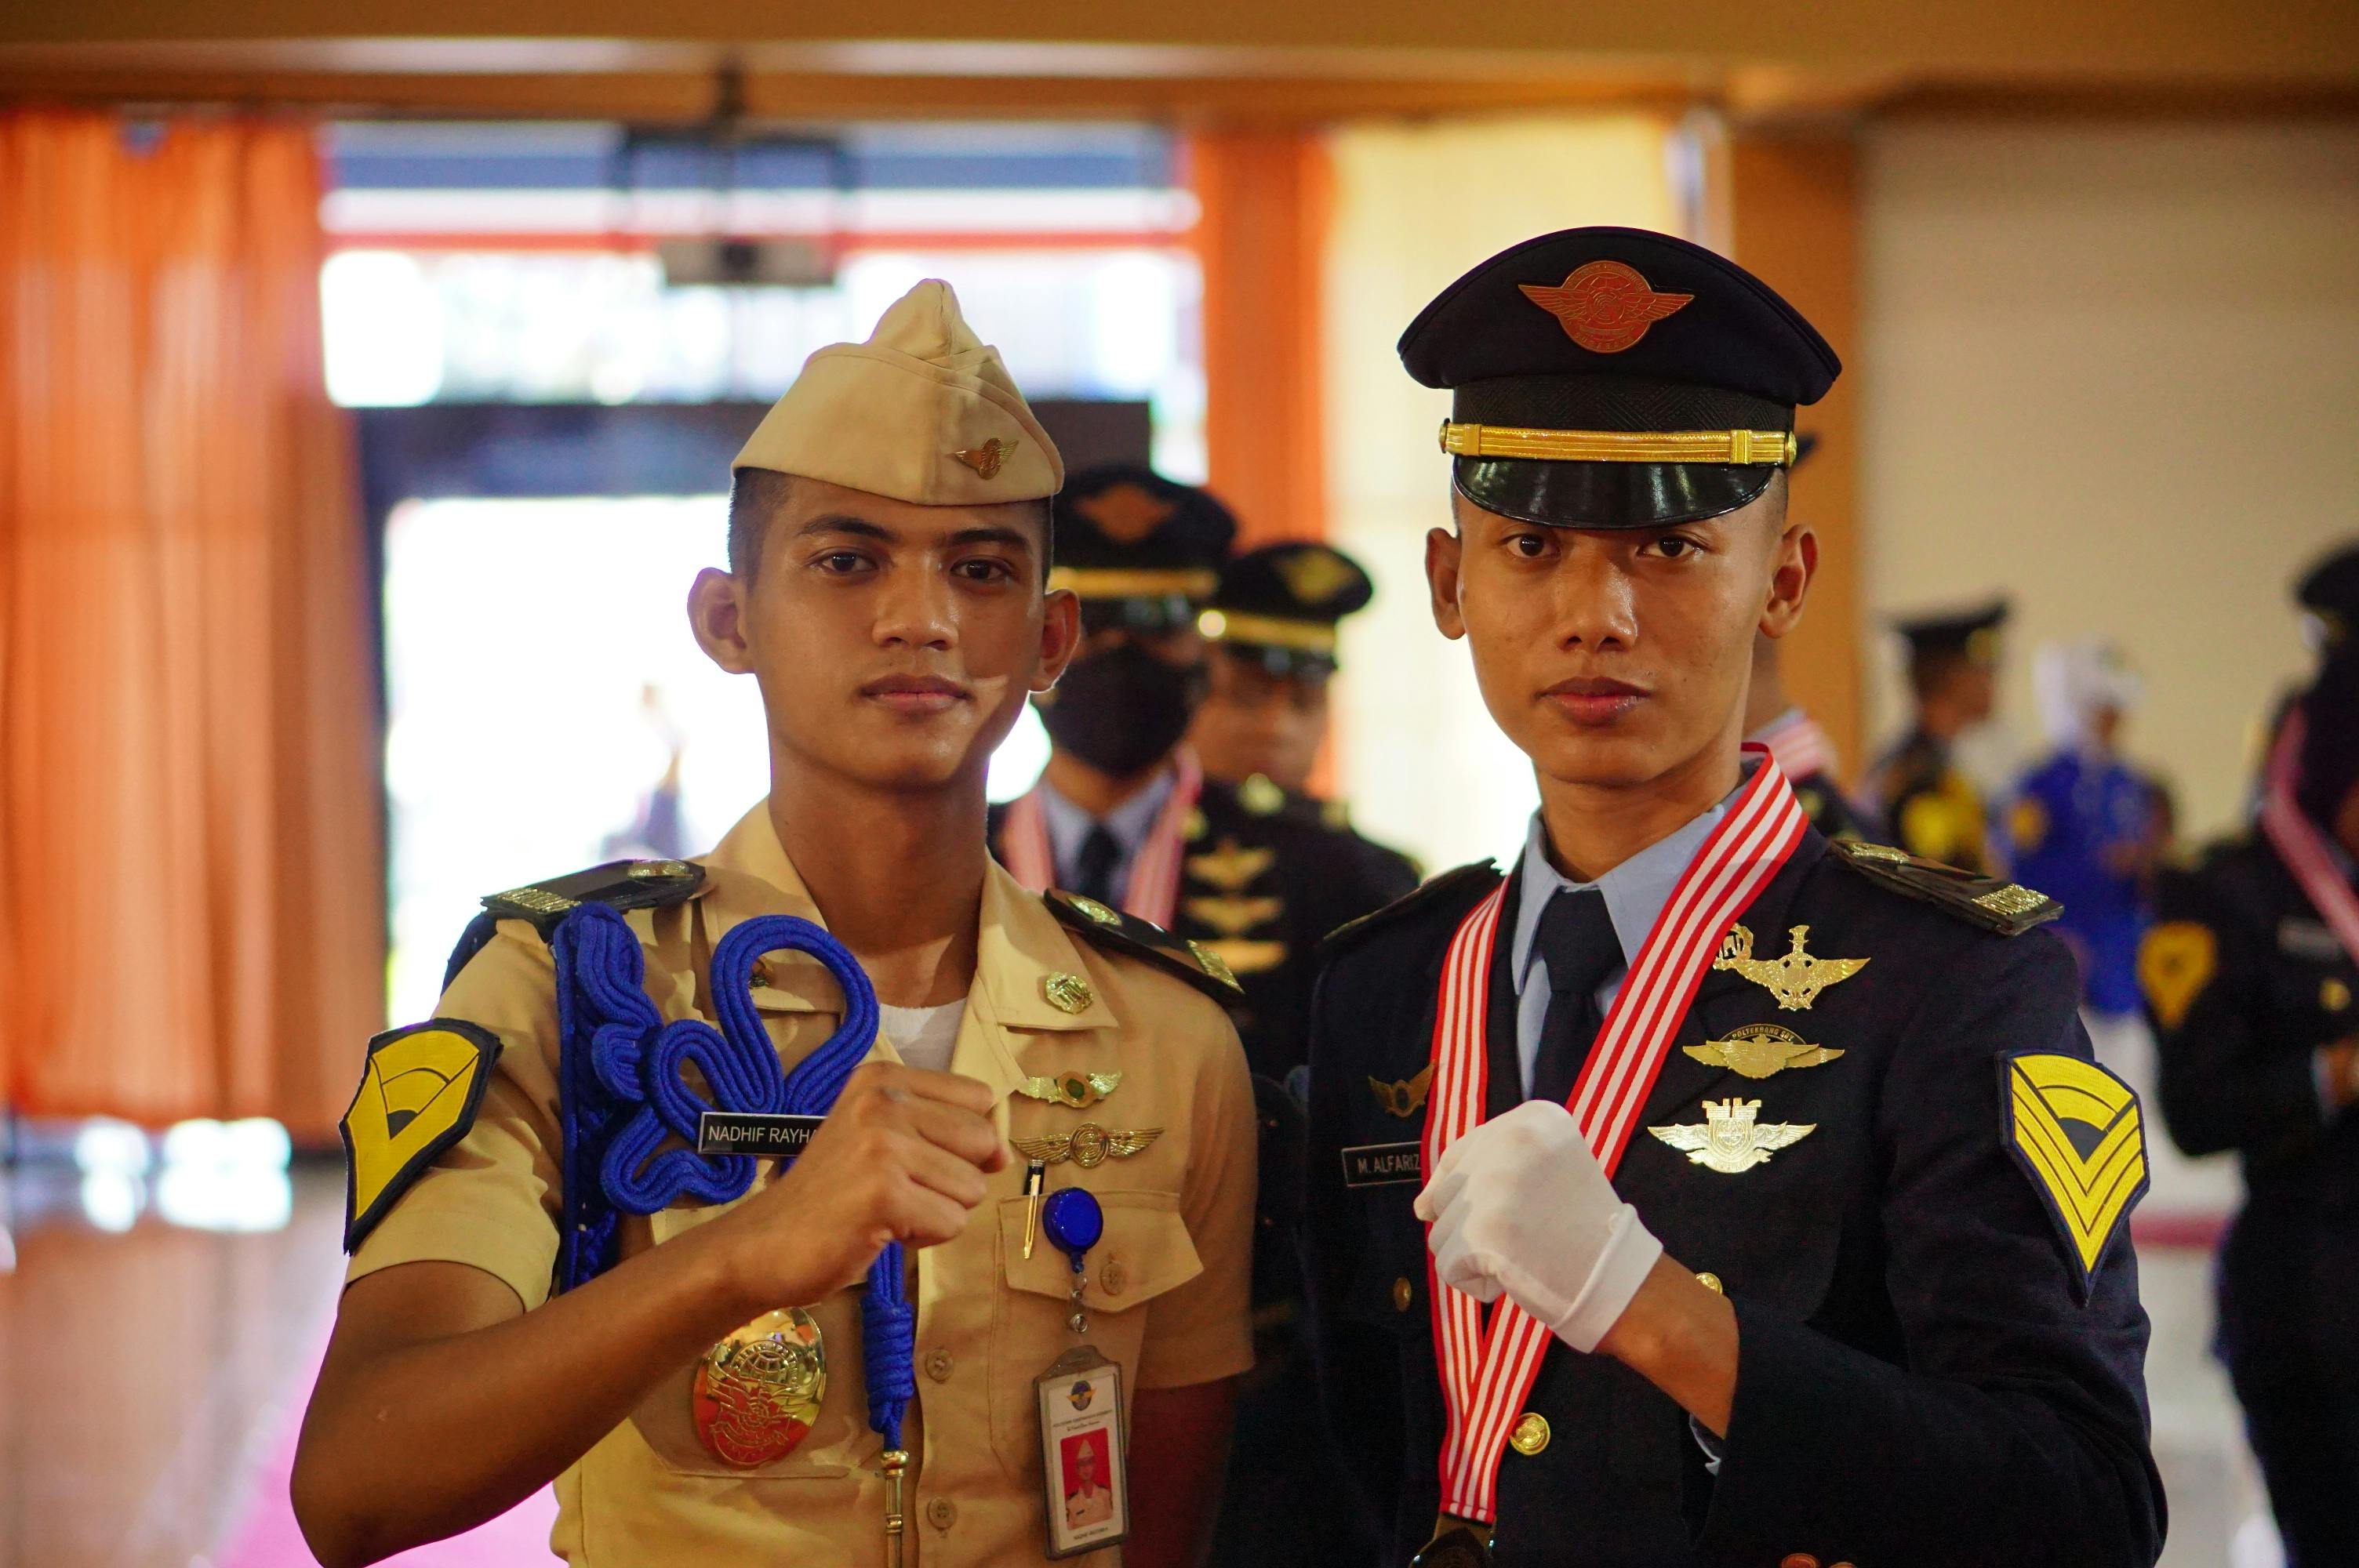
614	1070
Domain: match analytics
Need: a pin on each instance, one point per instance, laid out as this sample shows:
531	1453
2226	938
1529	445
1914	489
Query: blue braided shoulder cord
622	1065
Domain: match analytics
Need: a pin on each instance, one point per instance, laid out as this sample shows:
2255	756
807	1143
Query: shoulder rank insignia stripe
2175	962
419	1092
2076	1131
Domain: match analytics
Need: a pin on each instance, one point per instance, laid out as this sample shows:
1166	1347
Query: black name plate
1381	1165
750	1132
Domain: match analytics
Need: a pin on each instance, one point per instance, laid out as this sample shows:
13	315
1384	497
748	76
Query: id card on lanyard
1488	1368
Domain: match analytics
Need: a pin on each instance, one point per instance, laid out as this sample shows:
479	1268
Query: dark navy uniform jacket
2244	983
1921	1382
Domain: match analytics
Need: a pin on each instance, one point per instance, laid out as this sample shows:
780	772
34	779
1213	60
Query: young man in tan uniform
511	1319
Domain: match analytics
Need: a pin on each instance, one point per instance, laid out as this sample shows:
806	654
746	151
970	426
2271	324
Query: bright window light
382	324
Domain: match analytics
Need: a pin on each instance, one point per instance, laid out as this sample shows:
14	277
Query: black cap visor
1607	495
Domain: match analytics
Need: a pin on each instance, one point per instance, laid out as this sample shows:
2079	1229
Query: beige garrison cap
922	412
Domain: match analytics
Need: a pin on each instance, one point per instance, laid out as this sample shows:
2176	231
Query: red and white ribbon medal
1487	1371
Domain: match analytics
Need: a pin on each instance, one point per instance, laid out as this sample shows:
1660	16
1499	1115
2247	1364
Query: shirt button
1711	1281
1113	1277
943	1513
1531	1434
938	1366
1403	1293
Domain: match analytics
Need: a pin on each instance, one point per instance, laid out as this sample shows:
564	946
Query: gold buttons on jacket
943	1513
1711	1281
1531	1434
1403	1293
939	1365
2333	994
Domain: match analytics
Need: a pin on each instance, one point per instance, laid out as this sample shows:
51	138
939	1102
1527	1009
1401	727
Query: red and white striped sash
2300	845
1486	1374
1800	747
1153	890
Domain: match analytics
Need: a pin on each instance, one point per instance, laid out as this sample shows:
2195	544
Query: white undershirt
924	1035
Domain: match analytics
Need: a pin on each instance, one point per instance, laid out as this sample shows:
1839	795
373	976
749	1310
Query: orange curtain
1265	198
192	920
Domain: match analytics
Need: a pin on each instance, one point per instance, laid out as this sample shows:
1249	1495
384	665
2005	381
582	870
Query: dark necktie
1093	870
1576	940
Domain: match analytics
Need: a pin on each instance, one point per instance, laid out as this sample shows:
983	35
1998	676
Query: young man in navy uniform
1930	806
2251	975
1704	1192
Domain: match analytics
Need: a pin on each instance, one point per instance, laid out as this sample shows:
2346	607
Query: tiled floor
148	1379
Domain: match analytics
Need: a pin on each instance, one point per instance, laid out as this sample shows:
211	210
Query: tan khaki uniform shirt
1166	1289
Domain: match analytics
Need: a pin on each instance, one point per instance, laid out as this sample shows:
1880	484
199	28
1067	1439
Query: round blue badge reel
1074	1220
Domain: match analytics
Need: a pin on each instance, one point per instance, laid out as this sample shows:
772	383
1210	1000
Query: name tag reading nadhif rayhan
752	1132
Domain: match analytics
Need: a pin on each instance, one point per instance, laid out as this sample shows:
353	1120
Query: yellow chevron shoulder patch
2076	1132
418	1095
2175	962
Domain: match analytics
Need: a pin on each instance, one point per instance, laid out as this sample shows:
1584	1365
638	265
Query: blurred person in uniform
1251	876
2086	827
1272	628
2326	598
1927	803
1702	1191
570	1265
2250	973
1125	813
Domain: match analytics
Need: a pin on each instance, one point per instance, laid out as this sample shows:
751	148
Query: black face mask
1122	710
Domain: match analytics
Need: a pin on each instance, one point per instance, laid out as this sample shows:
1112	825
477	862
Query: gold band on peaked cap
1135	582
1267	631
906	414
1747	447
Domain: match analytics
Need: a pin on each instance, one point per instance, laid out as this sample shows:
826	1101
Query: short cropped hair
757	495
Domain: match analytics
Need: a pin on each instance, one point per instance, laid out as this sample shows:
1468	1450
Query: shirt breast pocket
1145	1251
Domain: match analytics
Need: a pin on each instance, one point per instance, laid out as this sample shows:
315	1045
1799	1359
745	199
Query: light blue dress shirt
1635	892
1129	822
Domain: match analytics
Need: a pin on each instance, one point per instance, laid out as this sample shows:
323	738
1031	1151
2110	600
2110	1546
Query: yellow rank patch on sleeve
2076	1132
418	1095
2176	961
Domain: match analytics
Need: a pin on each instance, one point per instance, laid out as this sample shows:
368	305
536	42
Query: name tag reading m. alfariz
1382	1165
752	1132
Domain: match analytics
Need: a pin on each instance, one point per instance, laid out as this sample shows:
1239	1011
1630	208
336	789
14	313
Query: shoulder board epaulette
1454	883
623	885
1110	928
2008	908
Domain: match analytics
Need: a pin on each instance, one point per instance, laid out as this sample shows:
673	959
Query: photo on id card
1081	1462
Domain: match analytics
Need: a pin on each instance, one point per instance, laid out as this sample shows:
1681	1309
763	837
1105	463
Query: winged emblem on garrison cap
989	458
1605	305
1795	980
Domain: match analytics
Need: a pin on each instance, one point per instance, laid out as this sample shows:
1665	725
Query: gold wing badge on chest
1076	1091
1729	1140
1402	1098
1761	1051
1796	978
1088	1145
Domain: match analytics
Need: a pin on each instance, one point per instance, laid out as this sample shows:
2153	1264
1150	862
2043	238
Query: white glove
1519	1205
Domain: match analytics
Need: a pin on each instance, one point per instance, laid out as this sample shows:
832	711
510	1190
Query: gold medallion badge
1067	993
757	1392
1088	1145
1076	1091
1093	910
1729	1140
1404	1096
2175	962
1795	980
1760	1050
2075	1130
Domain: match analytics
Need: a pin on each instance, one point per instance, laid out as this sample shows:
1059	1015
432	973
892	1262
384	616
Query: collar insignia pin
1067	993
1402	1098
